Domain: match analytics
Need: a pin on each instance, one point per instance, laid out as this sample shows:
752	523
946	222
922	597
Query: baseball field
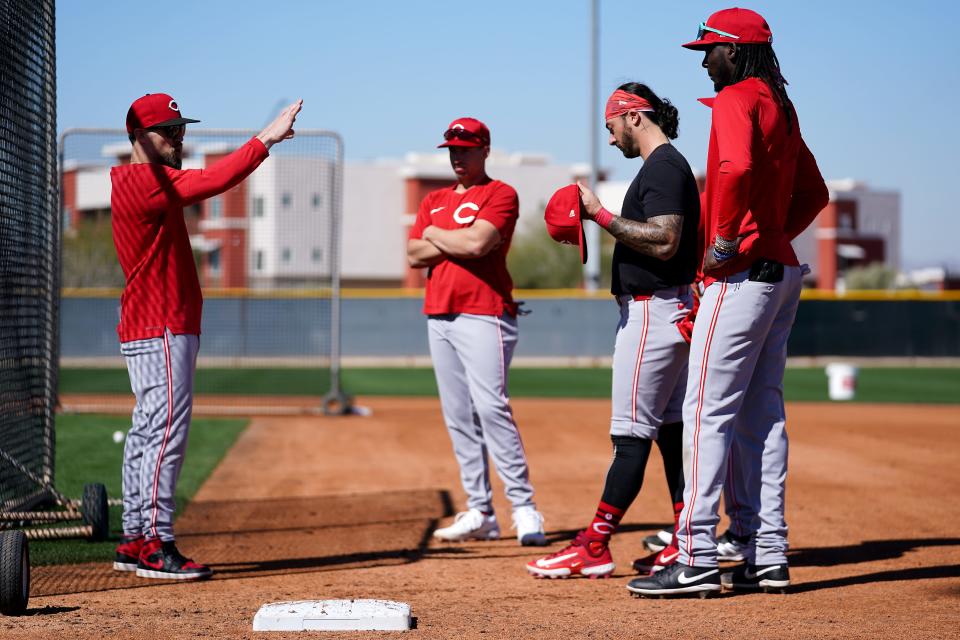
308	507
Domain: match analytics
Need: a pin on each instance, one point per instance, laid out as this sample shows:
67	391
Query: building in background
273	229
859	226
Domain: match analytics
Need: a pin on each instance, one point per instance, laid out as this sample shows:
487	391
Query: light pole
591	270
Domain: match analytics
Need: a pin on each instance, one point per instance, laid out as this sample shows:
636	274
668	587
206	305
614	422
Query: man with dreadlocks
763	188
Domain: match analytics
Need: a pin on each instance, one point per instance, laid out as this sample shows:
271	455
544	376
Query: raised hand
282	126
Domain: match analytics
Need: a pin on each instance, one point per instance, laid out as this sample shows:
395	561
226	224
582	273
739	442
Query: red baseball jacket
149	233
763	184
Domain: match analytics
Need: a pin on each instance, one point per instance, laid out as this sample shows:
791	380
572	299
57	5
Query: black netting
29	249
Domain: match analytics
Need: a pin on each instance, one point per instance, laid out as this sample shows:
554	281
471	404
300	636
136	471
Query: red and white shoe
589	558
655	562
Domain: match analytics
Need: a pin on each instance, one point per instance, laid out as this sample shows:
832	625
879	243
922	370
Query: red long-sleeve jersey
153	247
763	184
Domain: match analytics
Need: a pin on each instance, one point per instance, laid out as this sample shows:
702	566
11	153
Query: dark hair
665	115
759	61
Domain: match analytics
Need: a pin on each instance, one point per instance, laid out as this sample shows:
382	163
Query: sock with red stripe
604	523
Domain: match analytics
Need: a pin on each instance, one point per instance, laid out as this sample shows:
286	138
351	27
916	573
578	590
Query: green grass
86	452
902	384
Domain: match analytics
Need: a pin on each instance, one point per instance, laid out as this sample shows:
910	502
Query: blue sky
875	84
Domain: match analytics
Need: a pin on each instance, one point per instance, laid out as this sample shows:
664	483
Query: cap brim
174	121
583	235
698	45
457	142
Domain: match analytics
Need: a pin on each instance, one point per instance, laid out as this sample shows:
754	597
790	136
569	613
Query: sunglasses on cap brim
463	134
703	29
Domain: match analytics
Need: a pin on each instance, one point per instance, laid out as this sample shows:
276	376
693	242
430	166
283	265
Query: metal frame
335	401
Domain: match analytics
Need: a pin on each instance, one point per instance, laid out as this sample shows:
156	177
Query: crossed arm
438	244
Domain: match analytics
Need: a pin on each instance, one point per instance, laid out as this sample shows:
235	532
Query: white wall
373	237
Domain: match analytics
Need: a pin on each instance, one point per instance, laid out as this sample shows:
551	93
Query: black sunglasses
463	134
170	132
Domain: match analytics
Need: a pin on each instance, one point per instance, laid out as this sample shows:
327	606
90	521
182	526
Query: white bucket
842	380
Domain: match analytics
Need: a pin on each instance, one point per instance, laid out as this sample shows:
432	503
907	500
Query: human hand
710	262
282	126
591	204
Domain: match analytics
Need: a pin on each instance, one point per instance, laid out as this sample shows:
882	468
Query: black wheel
14	573
337	404
95	510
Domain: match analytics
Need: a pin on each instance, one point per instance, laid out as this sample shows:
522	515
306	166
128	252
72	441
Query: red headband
622	102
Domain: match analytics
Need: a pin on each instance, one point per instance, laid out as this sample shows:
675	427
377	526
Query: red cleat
590	558
656	561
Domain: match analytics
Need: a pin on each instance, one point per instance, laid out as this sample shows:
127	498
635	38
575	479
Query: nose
705	55
612	141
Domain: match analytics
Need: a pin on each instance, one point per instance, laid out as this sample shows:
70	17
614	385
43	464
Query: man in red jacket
763	188
160	316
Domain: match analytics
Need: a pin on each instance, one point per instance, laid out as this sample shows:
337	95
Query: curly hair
665	115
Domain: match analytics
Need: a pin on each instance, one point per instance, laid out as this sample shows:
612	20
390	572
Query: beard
173	159
628	146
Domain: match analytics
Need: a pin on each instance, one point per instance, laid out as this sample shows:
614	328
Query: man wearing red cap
462	234
763	188
160	316
654	262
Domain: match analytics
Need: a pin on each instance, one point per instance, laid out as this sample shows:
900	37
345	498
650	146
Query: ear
731	52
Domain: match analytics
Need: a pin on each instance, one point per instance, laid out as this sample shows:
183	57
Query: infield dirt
318	508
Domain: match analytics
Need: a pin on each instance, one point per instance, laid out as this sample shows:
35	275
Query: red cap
154	110
466	132
562	216
741	26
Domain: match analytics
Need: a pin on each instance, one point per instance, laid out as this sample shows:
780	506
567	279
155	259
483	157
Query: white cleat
470	525
529	525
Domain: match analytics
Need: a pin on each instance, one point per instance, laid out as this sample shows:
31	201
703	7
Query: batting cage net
29	251
266	252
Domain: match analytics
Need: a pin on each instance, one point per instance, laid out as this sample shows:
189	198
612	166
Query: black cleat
732	548
676	580
658	541
770	577
162	560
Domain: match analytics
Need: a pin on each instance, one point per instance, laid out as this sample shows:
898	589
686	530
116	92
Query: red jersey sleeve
422	221
501	210
733	124
810	194
186	187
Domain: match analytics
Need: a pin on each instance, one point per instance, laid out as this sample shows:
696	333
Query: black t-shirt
665	185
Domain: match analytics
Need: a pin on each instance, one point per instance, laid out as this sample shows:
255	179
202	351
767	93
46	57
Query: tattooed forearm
658	237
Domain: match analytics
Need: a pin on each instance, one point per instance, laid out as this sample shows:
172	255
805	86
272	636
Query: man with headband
763	189
461	235
654	262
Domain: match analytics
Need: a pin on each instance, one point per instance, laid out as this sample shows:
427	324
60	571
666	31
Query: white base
333	615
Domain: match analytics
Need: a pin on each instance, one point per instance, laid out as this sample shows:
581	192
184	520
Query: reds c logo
465	219
173	106
603	528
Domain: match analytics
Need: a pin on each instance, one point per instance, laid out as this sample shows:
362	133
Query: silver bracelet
724	245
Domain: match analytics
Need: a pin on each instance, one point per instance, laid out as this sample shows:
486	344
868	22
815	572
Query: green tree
537	262
89	258
872	276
